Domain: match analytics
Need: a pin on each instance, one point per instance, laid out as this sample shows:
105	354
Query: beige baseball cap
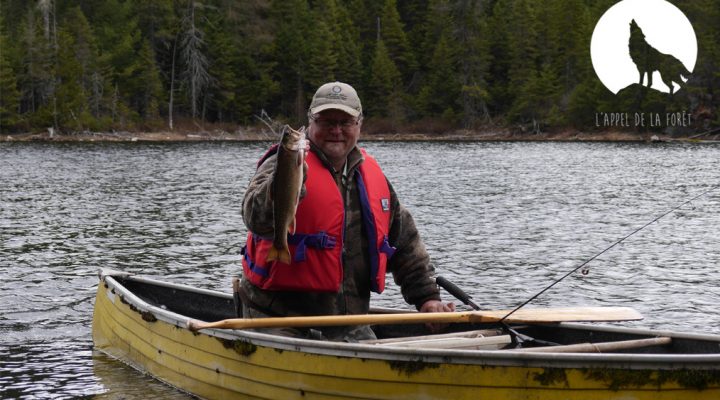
336	95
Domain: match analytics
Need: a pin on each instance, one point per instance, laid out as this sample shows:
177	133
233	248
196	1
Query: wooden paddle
529	315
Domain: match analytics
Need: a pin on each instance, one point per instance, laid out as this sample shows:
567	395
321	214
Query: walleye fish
287	183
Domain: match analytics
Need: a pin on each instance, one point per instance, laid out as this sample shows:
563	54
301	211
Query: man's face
335	132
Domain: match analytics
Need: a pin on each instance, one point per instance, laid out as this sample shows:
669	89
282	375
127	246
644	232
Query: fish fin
280	255
285	256
291	228
272	255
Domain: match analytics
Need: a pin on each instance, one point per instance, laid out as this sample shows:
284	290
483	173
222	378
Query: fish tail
275	254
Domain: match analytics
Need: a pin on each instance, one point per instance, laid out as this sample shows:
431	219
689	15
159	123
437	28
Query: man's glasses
331	123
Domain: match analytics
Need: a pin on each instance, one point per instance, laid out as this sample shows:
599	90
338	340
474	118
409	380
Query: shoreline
254	135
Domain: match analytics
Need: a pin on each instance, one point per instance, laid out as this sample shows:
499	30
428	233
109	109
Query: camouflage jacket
410	265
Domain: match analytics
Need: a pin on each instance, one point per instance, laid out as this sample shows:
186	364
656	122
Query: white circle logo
644	42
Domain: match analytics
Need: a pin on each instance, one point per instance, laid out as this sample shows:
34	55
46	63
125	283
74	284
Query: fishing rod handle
456	291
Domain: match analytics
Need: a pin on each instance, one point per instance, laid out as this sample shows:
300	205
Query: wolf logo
647	59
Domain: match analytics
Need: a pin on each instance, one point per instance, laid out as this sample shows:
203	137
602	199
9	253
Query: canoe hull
221	365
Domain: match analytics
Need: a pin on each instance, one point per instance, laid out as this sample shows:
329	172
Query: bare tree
196	64
47	9
172	85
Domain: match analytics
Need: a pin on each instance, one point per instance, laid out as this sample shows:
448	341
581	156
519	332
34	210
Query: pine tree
36	75
703	87
523	45
291	47
149	94
120	40
9	94
535	102
414	15
441	91
365	15
322	47
347	48
474	61
73	110
384	86
159	25
253	36
92	75
392	32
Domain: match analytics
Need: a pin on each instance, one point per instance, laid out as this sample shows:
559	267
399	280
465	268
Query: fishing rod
466	299
585	271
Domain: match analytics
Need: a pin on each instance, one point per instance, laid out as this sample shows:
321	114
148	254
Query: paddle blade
568	314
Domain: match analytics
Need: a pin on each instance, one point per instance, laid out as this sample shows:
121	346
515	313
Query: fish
287	184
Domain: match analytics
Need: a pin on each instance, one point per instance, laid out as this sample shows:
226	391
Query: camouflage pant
350	334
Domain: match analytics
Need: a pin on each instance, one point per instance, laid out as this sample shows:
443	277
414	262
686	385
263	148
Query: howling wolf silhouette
647	59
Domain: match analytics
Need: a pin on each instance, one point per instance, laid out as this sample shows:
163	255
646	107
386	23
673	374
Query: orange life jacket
316	247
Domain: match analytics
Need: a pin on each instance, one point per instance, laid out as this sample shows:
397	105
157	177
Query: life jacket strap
255	268
320	240
387	248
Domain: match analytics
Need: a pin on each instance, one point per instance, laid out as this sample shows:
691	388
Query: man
364	230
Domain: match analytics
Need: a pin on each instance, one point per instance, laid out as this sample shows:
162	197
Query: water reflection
120	382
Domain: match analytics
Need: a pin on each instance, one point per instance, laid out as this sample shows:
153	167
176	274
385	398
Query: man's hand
437	306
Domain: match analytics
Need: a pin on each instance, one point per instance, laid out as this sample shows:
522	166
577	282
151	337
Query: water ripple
504	220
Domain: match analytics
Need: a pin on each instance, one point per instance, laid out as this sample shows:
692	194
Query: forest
422	65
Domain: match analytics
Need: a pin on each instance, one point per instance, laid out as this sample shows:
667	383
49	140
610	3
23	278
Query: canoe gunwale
442	356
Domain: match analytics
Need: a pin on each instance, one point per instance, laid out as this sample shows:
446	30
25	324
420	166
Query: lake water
502	220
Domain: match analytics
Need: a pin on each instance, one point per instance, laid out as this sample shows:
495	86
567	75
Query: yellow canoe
143	322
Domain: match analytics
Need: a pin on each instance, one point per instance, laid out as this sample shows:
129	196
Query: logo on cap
336	89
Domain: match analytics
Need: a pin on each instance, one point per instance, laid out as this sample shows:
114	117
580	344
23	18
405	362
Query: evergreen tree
570	30
253	38
119	41
703	87
159	24
441	91
149	93
384	86
292	21
348	50
535	102
518	61
222	62
519	19
500	52
85	51
72	98
36	75
414	15
321	47
474	61
365	15
392	32
9	94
